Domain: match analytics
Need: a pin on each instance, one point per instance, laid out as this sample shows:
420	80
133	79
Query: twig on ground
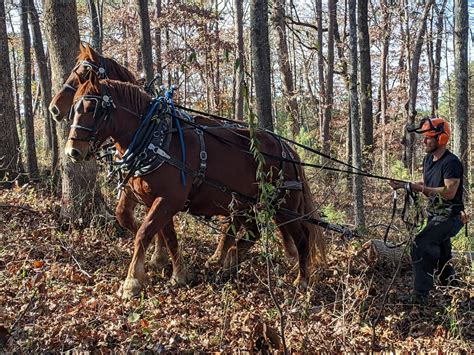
25	208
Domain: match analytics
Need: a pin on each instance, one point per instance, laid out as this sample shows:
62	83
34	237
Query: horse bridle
99	70
102	110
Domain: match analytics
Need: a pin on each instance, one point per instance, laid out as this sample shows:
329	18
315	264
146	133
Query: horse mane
87	53
127	94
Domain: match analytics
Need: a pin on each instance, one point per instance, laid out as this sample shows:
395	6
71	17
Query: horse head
89	63
92	108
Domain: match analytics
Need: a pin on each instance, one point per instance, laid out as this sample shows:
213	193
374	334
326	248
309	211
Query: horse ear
93	54
81	47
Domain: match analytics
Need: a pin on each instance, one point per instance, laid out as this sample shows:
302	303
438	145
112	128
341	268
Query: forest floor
59	291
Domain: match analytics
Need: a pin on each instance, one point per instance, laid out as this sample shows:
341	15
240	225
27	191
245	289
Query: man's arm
447	192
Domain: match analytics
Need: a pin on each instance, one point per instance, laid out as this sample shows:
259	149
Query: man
443	185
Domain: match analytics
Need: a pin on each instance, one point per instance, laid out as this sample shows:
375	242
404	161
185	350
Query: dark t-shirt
434	172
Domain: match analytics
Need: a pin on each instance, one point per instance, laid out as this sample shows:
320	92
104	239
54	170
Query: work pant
431	251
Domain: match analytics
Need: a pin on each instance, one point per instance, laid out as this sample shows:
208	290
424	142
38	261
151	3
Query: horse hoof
213	261
131	288
181	279
231	259
159	260
300	283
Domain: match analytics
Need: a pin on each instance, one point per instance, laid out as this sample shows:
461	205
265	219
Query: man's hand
396	184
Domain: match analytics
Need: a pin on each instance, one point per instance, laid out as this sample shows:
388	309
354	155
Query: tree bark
145	38
45	84
365	78
240	60
355	125
329	78
413	89
159	62
80	193
10	158
322	87
96	21
384	82
31	160
461	118
261	61
289	95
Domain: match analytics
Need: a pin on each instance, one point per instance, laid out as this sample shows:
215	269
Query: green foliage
334	216
398	171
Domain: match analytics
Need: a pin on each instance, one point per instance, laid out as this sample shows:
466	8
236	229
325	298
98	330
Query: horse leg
225	242
124	211
300	241
159	259
180	274
239	252
159	216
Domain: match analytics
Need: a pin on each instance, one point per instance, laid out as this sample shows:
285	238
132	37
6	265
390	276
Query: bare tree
45	84
31	160
159	62
10	158
329	77
95	12
461	118
289	94
261	61
413	89
240	60
355	125
365	76
80	193
145	39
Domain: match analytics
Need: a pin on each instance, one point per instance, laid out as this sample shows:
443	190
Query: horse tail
315	236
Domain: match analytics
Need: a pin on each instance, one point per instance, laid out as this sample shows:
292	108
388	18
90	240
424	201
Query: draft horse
109	108
90	63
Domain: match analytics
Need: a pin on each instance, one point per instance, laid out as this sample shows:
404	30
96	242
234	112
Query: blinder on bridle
99	70
101	112
417	128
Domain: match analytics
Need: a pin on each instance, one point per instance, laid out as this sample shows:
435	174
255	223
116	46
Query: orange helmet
438	128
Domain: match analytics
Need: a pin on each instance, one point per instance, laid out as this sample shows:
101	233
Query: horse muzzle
74	154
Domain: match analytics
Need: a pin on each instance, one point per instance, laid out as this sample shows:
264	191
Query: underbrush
60	291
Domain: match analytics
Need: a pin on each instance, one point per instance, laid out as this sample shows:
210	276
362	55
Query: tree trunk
322	88
10	158
261	61
159	62
145	39
31	160
80	192
437	58
384	82
288	89
96	21
355	126
329	78
365	78
413	89
45	84
461	118
240	60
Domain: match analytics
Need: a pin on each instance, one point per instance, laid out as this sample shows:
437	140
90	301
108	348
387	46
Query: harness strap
199	178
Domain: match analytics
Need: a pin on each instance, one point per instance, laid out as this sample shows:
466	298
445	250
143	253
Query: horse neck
118	72
125	122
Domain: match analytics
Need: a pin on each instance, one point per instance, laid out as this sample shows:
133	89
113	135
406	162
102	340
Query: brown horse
106	109
89	62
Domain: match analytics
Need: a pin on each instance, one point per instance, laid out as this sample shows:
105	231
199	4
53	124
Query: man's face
430	144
